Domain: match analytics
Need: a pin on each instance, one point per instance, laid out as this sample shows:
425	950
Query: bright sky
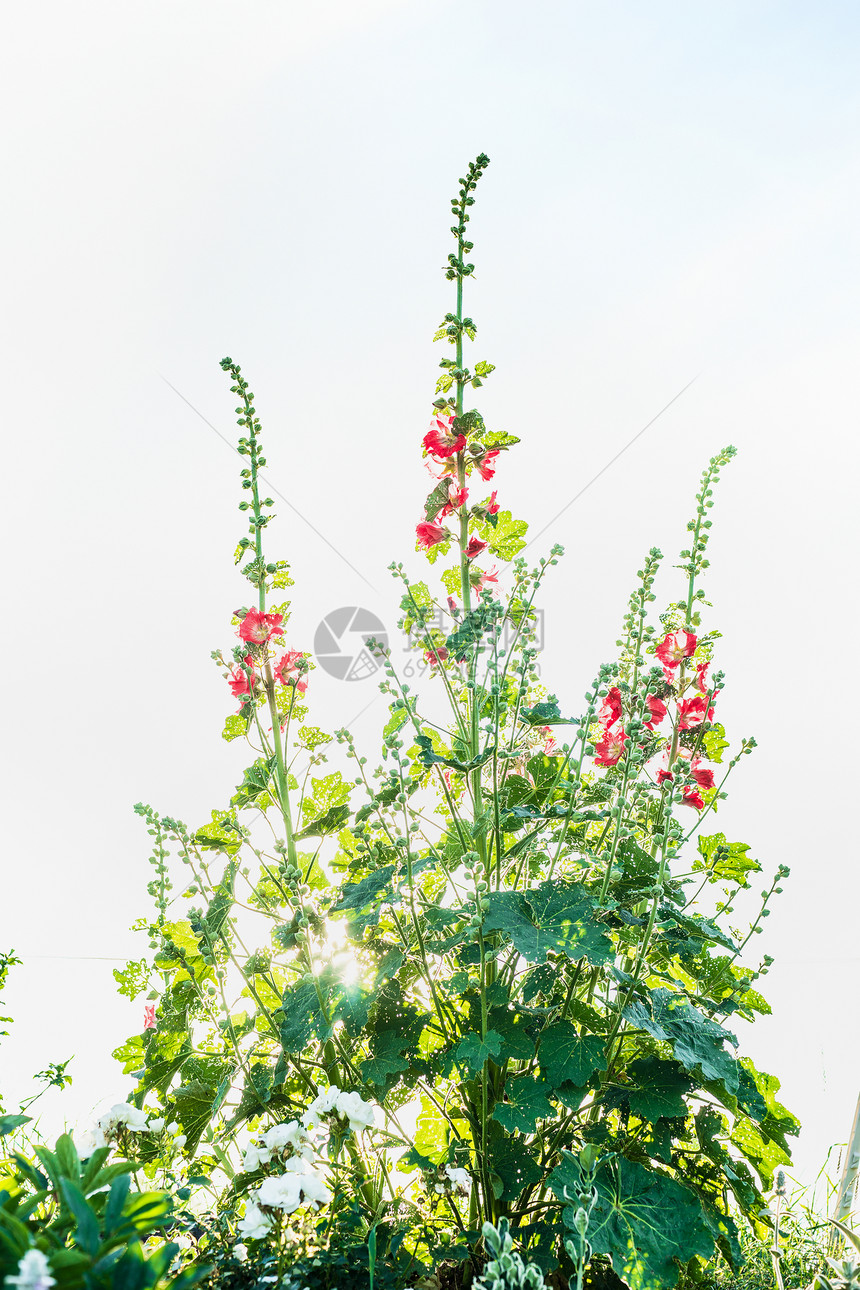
673	195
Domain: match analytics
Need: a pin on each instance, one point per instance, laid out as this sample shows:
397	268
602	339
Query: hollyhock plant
242	679
481	974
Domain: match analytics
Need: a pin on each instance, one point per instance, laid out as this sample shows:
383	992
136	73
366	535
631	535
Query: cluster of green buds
694	556
476	876
161	884
584	1201
506	1269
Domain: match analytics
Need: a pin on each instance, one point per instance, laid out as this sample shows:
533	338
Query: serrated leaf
727	861
646	1222
546	714
696	1041
556	916
566	1057
715	743
475	1050
527	1103
655	1091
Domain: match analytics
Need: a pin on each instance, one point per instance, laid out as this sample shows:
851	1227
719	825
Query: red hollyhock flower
550	747
673	650
610	750
701	679
692	797
703	775
475	547
260	628
440	440
429	534
657	709
288	672
453	607
485	464
479	578
240	683
665	777
456	498
149	1022
436	656
492	504
692	712
611	709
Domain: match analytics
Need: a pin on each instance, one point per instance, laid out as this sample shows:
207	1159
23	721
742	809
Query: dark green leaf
566	1057
647	1223
555	916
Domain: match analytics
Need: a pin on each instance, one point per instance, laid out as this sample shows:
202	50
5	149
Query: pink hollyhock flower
550	747
701	681
665	777
673	650
260	628
657	709
149	1016
475	547
692	712
703	775
429	534
440	440
436	656
692	797
610	750
485	464
456	498
240	683
611	708
288	672
492	504
479	578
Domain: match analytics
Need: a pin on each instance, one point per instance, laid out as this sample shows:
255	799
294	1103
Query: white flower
292	1135
156	1125
173	1126
254	1224
459	1177
322	1104
34	1272
361	1114
255	1155
284	1192
90	1140
315	1188
123	1113
180	1140
240	1252
439	1189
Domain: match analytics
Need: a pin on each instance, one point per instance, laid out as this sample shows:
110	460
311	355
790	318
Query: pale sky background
674	193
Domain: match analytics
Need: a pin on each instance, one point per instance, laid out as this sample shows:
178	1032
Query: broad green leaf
715	743
727	861
86	1233
9	1123
656	1090
512	1162
361	895
646	1222
696	1041
527	1103
331	822
475	1050
566	1057
555	916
